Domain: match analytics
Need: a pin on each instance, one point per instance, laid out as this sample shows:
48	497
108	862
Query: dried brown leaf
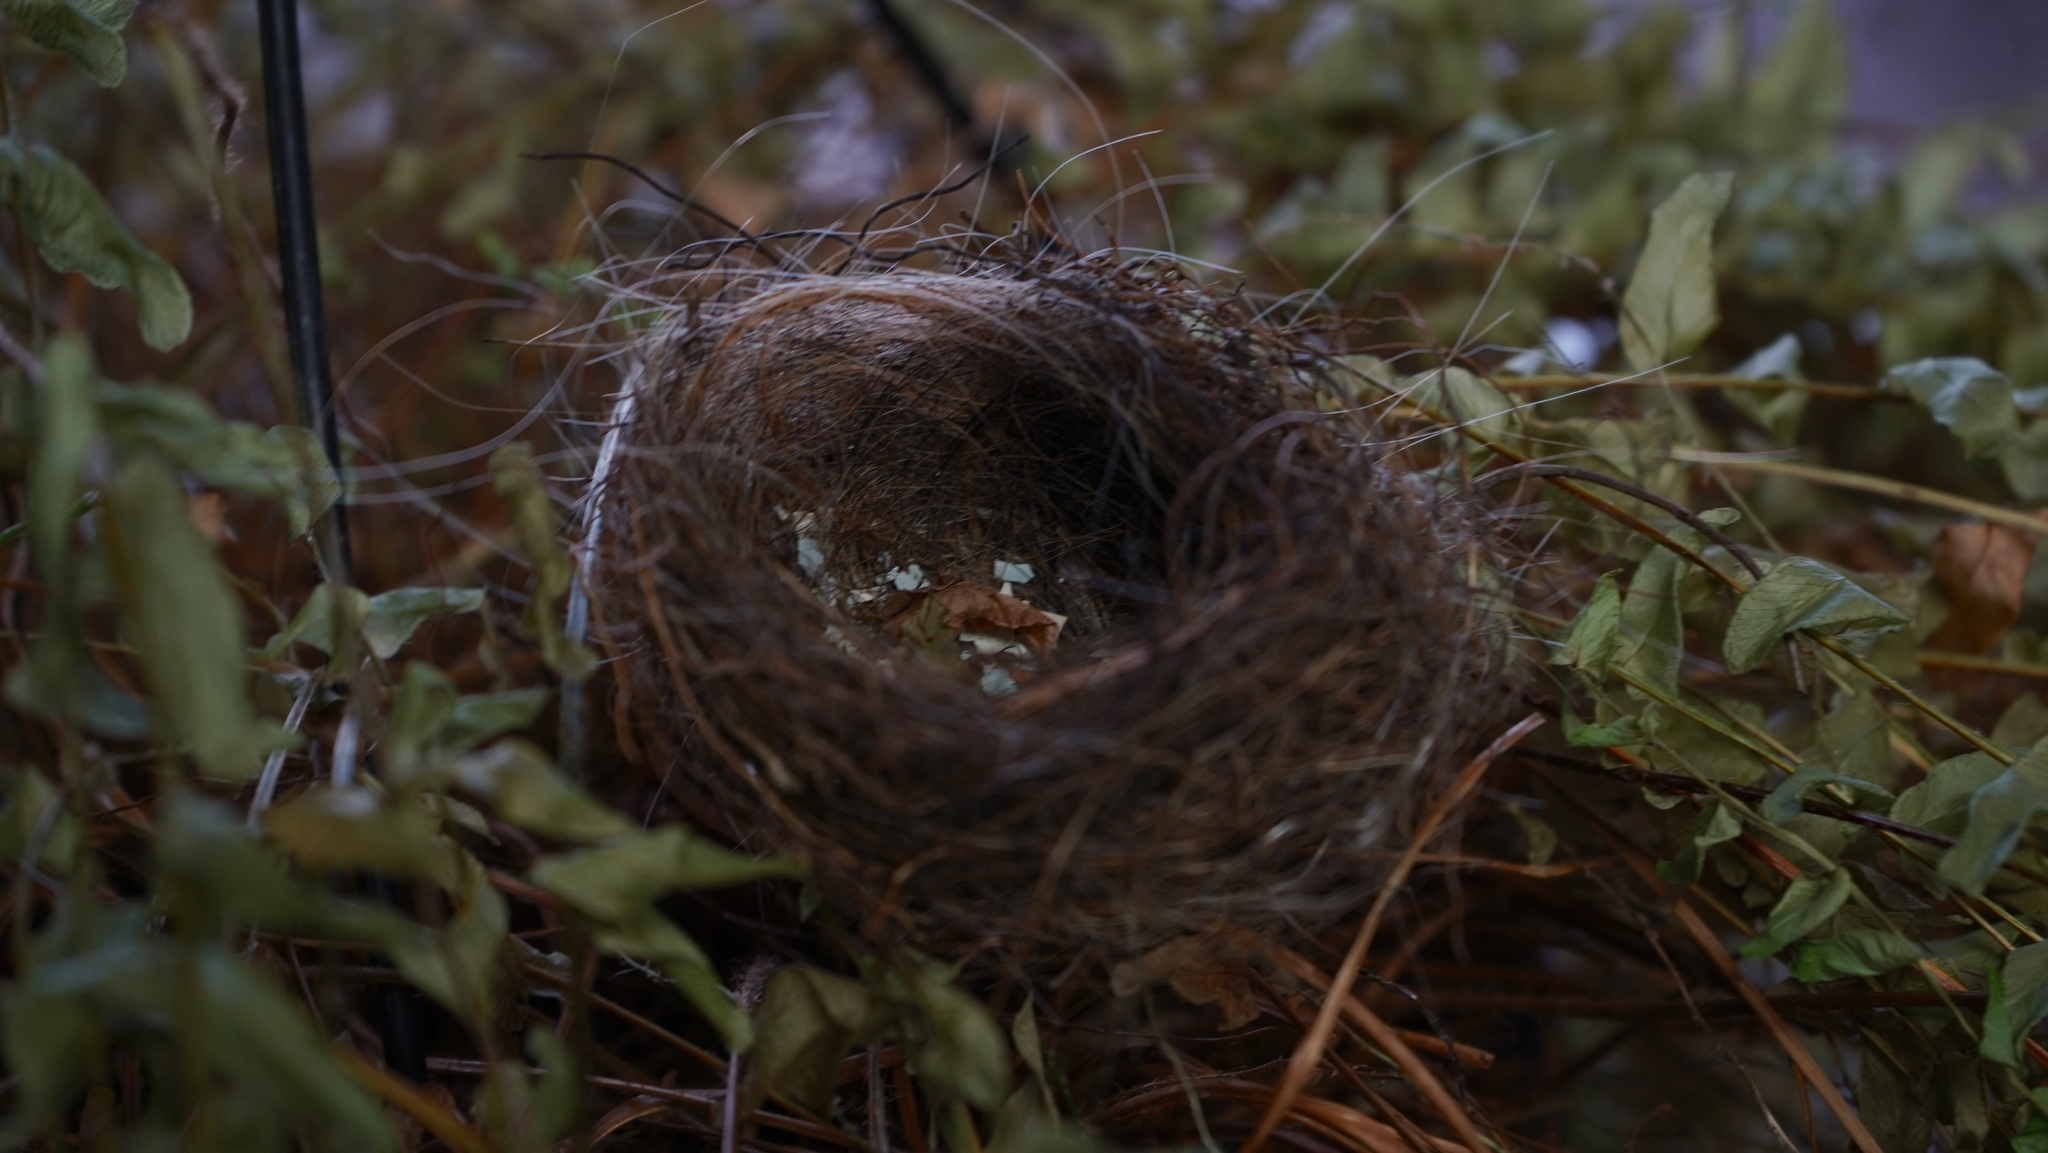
209	515
1199	972
969	607
1982	570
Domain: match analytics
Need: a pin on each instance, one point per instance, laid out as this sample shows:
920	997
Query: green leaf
477	717
73	229
1779	359
185	621
2034	1137
392	617
1965	395
616	885
282	464
1652	624
521	784
1855	737
614	881
420	708
808	1019
518	481
955	1044
457	964
87	31
2025	464
66	423
338	829
1716	825
560	1091
1778	413
2017	1001
1935	172
1651	644
527	1114
1619	733
1785	801
1898	1102
388	619
1978	404
2000	812
1541	838
2023	723
99	978
1803	594
1855	953
1807	904
1707	740
1024	1037
258	1036
429	722
1802	88
1669	306
651	936
207	855
36	817
315	622
1593	633
59	680
1462	399
1941	801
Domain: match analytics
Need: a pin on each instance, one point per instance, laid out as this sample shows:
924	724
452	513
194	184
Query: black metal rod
396	1011
930	70
298	245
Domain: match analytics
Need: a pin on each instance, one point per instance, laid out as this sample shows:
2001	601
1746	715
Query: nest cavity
1034	598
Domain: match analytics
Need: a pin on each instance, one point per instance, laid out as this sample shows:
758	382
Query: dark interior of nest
956	422
1039	601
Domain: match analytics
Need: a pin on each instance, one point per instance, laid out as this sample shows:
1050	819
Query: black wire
291	188
298	243
925	63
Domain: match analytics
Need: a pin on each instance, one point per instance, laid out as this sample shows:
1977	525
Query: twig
1323	1114
1862	482
1470	1056
1690	518
707	1099
1709	943
1927	708
1310	1052
1677	783
1547	382
1935	659
407	1098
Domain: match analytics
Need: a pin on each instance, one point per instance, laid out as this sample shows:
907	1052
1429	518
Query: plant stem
1546	383
1863	482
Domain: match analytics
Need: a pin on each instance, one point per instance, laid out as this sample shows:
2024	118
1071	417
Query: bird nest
1032	597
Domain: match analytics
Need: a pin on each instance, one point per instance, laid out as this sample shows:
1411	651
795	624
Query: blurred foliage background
1383	160
1282	134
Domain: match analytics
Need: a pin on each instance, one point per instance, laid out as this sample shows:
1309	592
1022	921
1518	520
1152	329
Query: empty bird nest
1029	596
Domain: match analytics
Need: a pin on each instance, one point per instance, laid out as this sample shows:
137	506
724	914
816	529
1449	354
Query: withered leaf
1202	971
964	606
1982	569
